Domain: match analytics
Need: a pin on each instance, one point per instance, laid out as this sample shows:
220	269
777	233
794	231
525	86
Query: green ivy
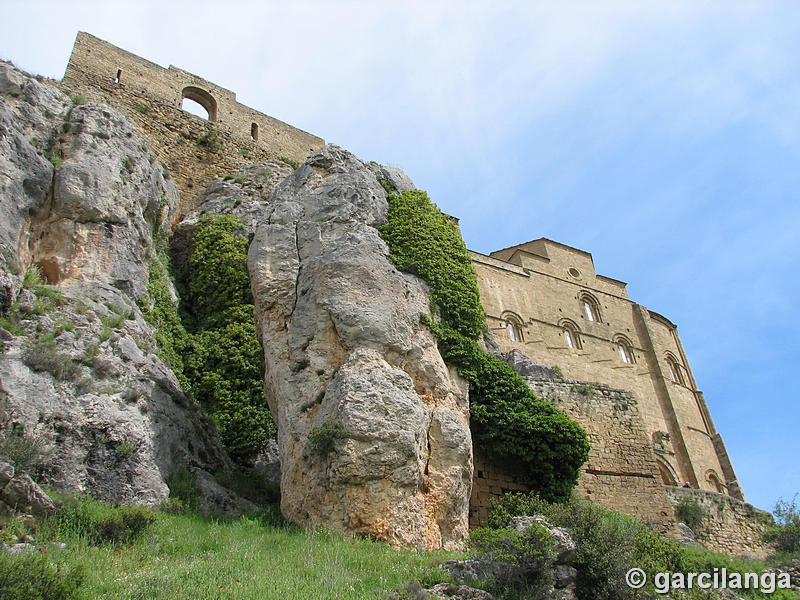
423	241
509	423
162	313
212	344
226	367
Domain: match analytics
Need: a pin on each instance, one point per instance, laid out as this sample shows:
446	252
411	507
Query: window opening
514	332
625	353
590	309
254	132
674	370
118	78
199	103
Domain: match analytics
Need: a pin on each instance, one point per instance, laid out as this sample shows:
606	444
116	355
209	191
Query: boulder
373	427
457	592
526	367
19	492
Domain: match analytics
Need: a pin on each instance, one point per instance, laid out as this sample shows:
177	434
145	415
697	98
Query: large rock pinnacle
346	353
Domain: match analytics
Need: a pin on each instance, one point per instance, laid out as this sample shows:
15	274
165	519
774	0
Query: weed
323	438
123	311
557	372
210	141
690	512
77	100
113	321
32	278
42	355
29	452
35	577
56	158
292	163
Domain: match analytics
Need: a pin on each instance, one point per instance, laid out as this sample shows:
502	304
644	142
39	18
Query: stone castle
624	375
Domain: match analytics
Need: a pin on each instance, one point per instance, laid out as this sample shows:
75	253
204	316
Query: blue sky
663	137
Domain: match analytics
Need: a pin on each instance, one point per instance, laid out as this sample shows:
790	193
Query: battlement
152	96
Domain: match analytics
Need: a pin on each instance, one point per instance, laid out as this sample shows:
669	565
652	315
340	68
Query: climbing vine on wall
508	421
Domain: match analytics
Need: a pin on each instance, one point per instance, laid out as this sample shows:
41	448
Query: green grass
188	556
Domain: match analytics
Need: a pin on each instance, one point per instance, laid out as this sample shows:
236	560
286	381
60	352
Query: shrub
786	533
292	163
324	437
77	100
42	355
690	512
171	336
521	561
508	421
123	524
33	577
29	452
210	141
98	522
182	487
557	372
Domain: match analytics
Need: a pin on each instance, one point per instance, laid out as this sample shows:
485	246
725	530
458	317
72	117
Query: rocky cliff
81	199
373	427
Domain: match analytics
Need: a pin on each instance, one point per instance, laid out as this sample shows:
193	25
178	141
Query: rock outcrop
373	427
19	492
82	199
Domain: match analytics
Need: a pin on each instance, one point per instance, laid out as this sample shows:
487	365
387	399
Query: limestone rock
393	176
81	370
244	195
471	569
20	492
461	592
526	367
687	536
344	345
109	195
114	414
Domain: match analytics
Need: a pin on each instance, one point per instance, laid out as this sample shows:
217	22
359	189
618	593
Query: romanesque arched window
668	475
714	481
513	327
674	369
589	306
625	349
571	334
197	96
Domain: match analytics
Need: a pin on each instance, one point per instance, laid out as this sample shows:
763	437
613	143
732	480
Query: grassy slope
186	556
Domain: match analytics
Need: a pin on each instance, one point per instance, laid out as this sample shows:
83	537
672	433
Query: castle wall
541	285
729	525
621	472
151	97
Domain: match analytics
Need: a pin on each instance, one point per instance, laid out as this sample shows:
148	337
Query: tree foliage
508	421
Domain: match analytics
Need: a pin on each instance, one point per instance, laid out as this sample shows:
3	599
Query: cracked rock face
80	197
373	427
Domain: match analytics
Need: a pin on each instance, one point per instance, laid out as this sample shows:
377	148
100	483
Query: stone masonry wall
621	473
729	525
151	97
